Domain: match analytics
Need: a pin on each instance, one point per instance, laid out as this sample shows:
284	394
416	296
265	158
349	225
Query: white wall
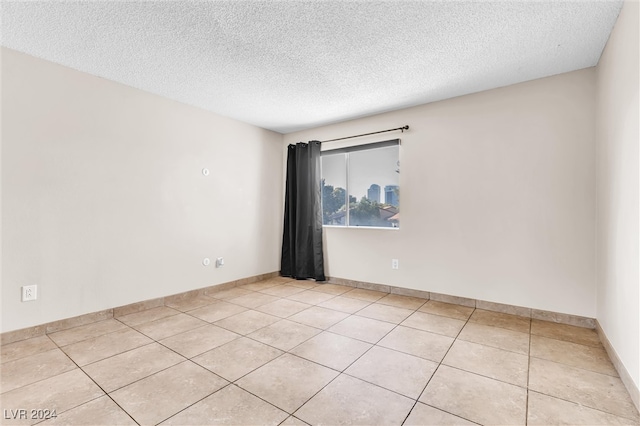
618	190
104	202
497	197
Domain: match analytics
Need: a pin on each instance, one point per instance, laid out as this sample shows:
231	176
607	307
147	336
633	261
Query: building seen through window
366	179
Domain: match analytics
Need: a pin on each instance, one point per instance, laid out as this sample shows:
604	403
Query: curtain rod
403	128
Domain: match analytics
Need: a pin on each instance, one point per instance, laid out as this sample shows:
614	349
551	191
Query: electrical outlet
395	264
29	292
220	262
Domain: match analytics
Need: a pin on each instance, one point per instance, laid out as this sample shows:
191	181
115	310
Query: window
369	174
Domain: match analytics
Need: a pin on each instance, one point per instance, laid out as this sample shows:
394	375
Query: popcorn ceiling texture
291	65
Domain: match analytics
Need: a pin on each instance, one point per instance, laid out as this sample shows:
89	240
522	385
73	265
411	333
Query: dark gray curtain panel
302	255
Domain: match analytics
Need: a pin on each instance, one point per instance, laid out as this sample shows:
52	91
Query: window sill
384	228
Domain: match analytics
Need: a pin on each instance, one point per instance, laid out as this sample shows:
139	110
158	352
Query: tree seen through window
371	175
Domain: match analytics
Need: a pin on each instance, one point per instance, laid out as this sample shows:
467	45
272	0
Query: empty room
320	212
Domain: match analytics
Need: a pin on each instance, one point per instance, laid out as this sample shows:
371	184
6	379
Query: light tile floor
293	353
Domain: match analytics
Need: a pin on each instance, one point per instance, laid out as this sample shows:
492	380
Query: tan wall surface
103	198
618	191
497	198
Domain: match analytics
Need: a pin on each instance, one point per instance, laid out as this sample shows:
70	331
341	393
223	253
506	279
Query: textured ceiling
290	65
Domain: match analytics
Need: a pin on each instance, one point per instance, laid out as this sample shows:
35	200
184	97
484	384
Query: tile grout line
485	376
130	350
342	371
376	345
161	370
279	318
583	405
163	345
172	335
332	380
279	356
107	394
279	280
229	383
60	348
600	346
482	344
88	338
216	391
110	312
573	366
436	370
396	325
258	329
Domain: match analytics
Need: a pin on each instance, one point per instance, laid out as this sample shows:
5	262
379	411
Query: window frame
347	150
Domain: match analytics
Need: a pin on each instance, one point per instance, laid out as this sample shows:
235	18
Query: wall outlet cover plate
29	293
